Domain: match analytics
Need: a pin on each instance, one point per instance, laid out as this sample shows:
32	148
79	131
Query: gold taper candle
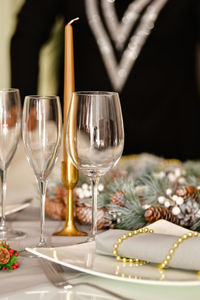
69	172
69	84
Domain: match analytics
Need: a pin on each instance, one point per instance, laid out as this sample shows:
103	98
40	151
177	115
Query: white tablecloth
29	281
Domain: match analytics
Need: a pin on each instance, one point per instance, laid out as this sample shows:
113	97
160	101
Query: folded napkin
154	247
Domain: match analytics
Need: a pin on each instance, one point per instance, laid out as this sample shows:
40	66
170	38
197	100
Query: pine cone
4	244
118	198
188	191
55	209
32	121
84	215
4	255
189	213
155	213
60	193
11	121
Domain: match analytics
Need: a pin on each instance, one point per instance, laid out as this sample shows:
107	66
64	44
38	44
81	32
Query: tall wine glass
94	137
10	129
41	128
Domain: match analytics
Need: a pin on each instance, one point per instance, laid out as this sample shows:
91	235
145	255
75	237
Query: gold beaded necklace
147	230
176	245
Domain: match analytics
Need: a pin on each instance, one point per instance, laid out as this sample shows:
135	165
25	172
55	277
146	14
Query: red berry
3	268
16	254
14	267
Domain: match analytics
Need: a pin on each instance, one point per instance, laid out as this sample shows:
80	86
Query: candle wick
76	19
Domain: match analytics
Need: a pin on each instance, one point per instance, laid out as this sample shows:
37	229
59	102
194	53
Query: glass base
91	238
41	244
27	254
10	234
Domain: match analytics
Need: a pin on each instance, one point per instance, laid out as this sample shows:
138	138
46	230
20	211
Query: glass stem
42	185
94	183
3	197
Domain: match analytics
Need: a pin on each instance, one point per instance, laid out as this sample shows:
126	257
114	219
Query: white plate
83	258
12	208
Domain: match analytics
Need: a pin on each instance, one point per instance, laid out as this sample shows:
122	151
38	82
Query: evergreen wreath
140	191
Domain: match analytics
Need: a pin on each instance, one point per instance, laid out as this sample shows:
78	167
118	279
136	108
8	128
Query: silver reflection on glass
10	129
42	125
95	137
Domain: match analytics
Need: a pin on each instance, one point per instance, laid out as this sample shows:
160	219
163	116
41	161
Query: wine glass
10	129
94	137
41	129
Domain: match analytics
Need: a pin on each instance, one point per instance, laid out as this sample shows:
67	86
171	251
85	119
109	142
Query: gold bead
175	245
124	237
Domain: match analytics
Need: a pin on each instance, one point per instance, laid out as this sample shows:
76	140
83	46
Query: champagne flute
94	137
41	129
10	129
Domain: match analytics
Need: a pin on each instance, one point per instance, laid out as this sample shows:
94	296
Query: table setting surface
29	281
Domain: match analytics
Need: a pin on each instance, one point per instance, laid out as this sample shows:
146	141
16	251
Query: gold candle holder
69	171
69	180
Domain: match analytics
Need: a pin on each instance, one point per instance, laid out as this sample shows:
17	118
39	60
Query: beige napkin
154	247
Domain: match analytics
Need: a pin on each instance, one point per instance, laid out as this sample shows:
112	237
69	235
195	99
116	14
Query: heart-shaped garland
118	72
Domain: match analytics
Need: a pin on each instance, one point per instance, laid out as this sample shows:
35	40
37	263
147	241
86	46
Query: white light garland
119	31
118	73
